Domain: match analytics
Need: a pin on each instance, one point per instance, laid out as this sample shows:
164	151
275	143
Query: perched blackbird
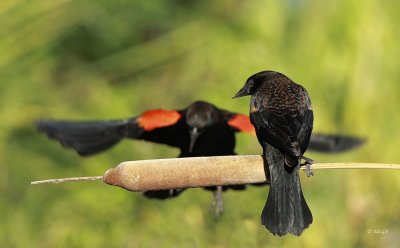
201	129
281	113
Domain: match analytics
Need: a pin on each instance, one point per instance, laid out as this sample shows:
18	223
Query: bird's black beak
242	92
194	135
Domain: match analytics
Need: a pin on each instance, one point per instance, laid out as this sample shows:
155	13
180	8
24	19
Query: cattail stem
66	180
158	174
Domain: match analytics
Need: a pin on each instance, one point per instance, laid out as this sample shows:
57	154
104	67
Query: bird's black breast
217	140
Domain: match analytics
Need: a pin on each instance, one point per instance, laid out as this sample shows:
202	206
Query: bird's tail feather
85	137
286	210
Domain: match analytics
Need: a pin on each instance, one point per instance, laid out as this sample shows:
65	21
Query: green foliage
111	59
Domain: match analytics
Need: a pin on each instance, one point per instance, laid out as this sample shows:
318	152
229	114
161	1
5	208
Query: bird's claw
308	169
218	203
308	166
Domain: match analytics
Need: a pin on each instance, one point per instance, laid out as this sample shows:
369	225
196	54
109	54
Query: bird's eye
251	83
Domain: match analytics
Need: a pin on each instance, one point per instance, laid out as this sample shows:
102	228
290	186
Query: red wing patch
242	123
158	118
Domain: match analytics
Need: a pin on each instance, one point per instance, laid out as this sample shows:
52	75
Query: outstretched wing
159	126
239	122
329	143
90	137
334	142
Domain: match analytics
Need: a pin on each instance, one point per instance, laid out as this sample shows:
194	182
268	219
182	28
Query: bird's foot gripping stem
218	203
308	166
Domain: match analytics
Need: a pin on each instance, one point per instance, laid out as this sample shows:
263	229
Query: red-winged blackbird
281	113
201	129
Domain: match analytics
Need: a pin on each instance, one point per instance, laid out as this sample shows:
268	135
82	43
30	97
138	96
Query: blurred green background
112	59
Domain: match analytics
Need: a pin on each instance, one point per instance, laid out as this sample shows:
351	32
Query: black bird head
199	116
253	82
